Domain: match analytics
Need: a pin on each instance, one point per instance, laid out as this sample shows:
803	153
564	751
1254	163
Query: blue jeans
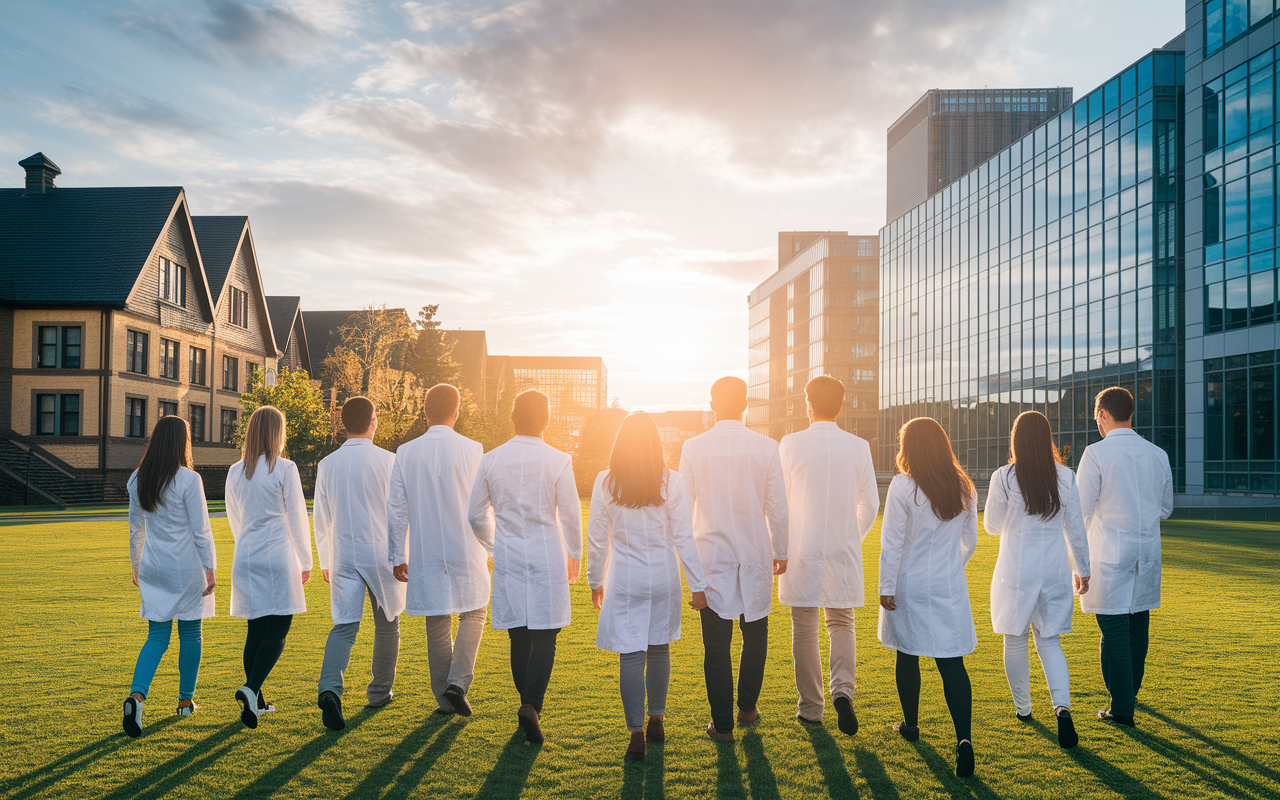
189	644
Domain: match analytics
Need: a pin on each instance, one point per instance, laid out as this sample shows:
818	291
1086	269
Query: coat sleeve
322	516
868	494
481	505
1166	500
1089	484
690	487
295	511
598	529
397	516
969	539
1073	528
996	510
137	525
198	522
569	507
775	507
232	495
681	526
893	534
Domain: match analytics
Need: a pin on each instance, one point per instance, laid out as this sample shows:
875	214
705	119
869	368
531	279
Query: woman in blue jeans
171	548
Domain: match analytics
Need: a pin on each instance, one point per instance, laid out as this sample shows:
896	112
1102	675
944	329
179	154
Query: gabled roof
79	246
219	239
285	313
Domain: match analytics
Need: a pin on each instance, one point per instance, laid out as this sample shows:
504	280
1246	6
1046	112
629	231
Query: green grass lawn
1208	714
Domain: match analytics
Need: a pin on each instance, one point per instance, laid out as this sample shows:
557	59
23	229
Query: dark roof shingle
282	310
218	238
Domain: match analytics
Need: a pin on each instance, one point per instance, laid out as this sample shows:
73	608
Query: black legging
262	648
955	687
533	654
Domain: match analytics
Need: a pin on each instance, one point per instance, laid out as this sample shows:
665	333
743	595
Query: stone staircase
30	475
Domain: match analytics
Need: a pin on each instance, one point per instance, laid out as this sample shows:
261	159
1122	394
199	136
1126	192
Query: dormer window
173	282
239	312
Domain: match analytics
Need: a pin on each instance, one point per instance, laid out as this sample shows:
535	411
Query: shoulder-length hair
1035	460
264	437
636	468
924	454
169	448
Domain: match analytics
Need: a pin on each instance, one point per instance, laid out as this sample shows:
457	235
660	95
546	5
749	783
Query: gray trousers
808	659
634	679
386	650
453	661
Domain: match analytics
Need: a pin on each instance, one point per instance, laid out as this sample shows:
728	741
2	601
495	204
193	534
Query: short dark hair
729	396
357	415
442	403
1116	401
825	395
530	413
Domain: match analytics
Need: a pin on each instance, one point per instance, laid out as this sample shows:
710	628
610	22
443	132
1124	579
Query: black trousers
1123	651
717	665
533	655
262	648
955	688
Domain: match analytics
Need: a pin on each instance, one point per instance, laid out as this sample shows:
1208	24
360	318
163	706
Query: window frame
198	367
132	402
230	373
59	346
227	430
173	282
135	355
169	365
197	431
238	311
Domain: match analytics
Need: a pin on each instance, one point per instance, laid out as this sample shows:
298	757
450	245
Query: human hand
886	602
779	567
210	581
573	565
597	598
135	577
306	576
1082	584
324	573
401	571
698	601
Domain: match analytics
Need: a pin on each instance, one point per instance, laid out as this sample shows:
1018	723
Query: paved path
40	518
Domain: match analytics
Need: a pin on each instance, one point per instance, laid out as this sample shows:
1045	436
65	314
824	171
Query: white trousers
1017	668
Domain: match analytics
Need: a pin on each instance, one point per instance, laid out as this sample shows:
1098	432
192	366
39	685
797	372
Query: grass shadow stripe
511	771
408	780
945	771
729	785
388	770
1226	781
182	766
278	776
1116	779
1227	750
831	762
873	772
63	766
760	778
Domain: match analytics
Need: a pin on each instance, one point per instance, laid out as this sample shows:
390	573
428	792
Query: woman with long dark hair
927	536
171	547
640	530
1034	507
272	560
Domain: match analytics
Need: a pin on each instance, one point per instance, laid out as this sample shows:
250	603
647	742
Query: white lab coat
922	562
171	548
351	530
832	502
632	553
536	525
1126	488
734	479
1031	585
427	520
268	517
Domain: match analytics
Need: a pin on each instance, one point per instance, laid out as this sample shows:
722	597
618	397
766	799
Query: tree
595	444
374	359
489	429
308	434
432	359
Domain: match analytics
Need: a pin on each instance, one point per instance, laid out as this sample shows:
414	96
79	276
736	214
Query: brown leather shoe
749	717
655	732
717	735
530	724
635	750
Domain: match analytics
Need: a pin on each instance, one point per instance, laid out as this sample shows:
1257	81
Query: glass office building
1052	270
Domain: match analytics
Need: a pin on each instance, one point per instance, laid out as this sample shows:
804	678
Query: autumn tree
308	433
374	358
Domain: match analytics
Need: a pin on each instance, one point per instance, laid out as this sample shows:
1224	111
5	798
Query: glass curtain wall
1240	423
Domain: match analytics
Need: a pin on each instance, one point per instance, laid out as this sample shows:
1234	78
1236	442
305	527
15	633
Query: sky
603	178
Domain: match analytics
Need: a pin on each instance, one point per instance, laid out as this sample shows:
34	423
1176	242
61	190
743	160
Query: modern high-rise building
815	316
948	132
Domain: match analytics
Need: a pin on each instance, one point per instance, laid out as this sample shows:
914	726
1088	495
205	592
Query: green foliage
595	444
308	433
489	429
432	358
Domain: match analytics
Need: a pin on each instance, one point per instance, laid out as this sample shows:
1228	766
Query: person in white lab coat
640	527
173	557
272	561
1126	488
927	536
832	499
434	550
350	505
1034	507
734	479
535	535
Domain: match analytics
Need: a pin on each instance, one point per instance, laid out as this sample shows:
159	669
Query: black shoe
909	732
133	717
530	723
1066	729
443	712
457	698
248	700
848	720
331	711
1106	716
807	721
964	759
1022	718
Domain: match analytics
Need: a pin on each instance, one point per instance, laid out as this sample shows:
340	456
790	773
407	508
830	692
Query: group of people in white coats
442	530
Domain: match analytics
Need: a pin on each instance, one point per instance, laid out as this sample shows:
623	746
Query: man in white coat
1126	488
832	500
350	512
434	550
734	480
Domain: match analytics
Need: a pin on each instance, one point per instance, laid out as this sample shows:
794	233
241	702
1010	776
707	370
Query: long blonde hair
265	437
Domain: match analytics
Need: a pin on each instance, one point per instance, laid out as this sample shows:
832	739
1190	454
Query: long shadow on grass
510	774
406	753
49	774
275	778
1228	782
764	784
1226	750
729	785
1120	782
831	762
878	780
945	771
644	780
178	770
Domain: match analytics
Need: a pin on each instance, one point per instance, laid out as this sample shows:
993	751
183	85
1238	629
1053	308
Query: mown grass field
1208	713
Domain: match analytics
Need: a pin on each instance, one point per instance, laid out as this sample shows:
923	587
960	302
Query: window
197	423
239	310
135	417
197	359
58	346
169	359
168	408
228	424
135	356
57	415
231	374
253	367
173	282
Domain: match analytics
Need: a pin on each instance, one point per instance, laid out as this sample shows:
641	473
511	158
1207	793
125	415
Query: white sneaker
248	700
186	711
133	716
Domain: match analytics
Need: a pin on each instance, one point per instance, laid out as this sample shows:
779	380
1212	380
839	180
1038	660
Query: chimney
40	174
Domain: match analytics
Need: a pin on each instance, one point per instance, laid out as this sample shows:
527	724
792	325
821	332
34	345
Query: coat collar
356	442
1122	432
730	424
824	424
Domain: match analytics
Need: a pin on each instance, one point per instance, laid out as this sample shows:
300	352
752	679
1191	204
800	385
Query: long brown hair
265	437
636	469
1035	460
169	448
924	454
